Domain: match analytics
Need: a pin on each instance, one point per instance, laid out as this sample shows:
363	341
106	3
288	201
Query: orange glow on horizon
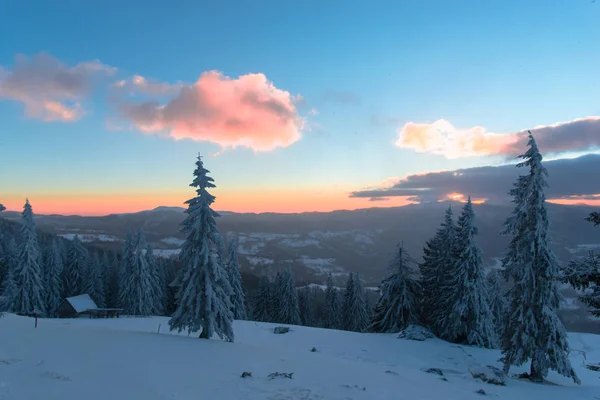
251	201
462	198
577	201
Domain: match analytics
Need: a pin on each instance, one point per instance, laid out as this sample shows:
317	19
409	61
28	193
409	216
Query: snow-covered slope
125	358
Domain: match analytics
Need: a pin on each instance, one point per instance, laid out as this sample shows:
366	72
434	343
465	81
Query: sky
295	105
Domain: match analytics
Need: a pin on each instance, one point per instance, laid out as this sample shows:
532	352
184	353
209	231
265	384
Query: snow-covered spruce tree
289	306
204	294
9	285
138	297
594	218
438	258
157	278
307	306
533	329
332	307
31	292
496	301
54	280
93	283
261	303
238	297
75	268
470	320
276	292
585	275
398	305
355	313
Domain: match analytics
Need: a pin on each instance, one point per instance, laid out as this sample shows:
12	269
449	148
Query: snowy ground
126	359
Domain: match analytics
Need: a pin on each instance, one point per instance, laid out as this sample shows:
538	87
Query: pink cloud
49	89
140	84
248	111
442	138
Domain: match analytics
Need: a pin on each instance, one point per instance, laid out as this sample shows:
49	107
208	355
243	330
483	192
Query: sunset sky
296	105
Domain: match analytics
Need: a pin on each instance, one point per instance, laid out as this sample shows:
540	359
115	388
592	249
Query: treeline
447	292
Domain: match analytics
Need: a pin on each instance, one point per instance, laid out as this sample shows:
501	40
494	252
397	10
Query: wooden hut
77	306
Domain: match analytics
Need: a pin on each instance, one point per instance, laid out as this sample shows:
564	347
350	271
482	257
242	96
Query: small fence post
158	333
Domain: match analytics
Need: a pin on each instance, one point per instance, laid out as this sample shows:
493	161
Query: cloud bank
138	84
248	111
442	138
569	179
49	89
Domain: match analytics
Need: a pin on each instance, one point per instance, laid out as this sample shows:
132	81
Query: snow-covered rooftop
82	303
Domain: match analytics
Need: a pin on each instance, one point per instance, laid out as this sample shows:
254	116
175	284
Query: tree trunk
534	374
204	334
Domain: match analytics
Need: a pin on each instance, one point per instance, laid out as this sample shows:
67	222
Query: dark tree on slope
9	285
138	296
533	329
276	293
289	307
496	301
75	269
332	308
261	306
54	281
398	305
307	306
157	281
93	283
2	208
111	284
31	293
204	294
354	312
470	319
585	275
438	258
238	297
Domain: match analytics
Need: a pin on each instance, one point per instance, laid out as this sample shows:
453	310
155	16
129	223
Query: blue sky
502	65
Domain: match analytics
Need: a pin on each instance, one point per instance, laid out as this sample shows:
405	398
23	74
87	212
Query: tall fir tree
356	317
289	306
156	281
438	258
93	282
469	319
533	329
138	296
332	307
398	305
9	285
306	302
496	301
75	268
238	297
204	294
54	280
276	293
261	305
31	292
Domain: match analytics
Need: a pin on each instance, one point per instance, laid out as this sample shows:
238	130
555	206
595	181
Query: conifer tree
332	308
585	275
9	285
470	319
204	294
75	269
238	297
398	305
355	313
138	297
276	293
2	208
307	306
289	307
31	293
93	283
533	329
496	301
156	281
438	258
261	308
54	281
